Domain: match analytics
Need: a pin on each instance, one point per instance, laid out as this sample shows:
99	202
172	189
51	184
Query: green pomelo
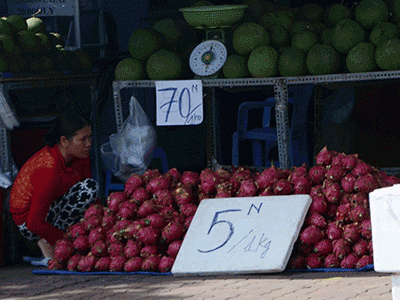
144	42
325	36
280	17
346	34
56	38
28	41
263	62
335	13
248	36
163	65
44	41
292	62
311	12
5	27
382	32
254	10
368	13
304	40
18	23
319	27
129	69
235	67
361	58
36	25
301	26
387	55
322	60
279	37
171	30
395	10
7	42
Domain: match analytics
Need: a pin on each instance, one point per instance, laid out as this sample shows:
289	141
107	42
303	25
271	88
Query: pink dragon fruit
311	235
209	181
365	260
283	187
317	174
188	209
94	210
360	247
176	175
370	247
331	191
361	168
132	249
76	230
113	236
243	173
117	263
148	250
314	261
81	244
303	249
359	213
187	222
268	191
349	261
359	199
224	190
366	184
97	234
318	205
302	185
156	220
266	178
323	247
333	231
223	175
190	178
173	248
99	248
148	235
63	250
127	210
173	231
108	221
183	195
72	264
116	249
53	264
166	264
134	264
334	173
351	232
103	264
140	195
134	181
349	161
331	261
337	160
146	209
345	198
151	263
296	261
149	174
247	189
316	219
324	157
93	222
331	211
114	200
341	248
158	183
87	263
163	197
316	191
366	231
343	213
122	224
347	182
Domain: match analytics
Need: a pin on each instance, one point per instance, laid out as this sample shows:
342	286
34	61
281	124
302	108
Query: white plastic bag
130	150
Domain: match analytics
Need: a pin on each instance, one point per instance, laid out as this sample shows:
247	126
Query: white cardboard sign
242	235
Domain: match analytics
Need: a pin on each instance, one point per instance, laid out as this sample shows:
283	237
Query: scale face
208	58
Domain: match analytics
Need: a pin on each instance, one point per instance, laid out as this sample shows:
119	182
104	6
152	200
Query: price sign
179	102
27	8
242	235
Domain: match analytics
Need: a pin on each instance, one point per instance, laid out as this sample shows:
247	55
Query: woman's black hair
66	124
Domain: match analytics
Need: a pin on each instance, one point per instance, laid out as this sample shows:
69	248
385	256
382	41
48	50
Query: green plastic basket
202	17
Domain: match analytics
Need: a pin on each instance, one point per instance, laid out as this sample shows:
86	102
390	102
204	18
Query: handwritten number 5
215	222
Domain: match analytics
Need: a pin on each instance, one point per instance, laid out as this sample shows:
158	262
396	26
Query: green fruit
7	42
361	58
322	60
5	27
304	40
311	12
370	12
18	23
44	41
263	62
335	13
28	41
346	34
319	27
382	32
279	37
56	38
325	36
248	36
301	26
36	25
171	31
129	69
163	65
235	67
144	42
84	59
387	55
292	62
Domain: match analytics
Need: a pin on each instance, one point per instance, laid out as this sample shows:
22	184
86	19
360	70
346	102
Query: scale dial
208	58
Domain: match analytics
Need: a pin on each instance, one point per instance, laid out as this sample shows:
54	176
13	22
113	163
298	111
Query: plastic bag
130	150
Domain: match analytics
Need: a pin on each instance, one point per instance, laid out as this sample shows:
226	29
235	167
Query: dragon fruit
324	157
303	249
188	209
366	184
190	178
87	263
97	234
347	182
349	161
134	264
268	191
359	199
316	219
132	249
360	247
331	261
247	189
333	231
103	264
311	235
361	168
173	231
266	179
370	247
283	187
93	222
122	224
316	191
345	197
296	261
351	232
349	261
183	195
94	210
366	231
317	174
116	249
148	235
134	181
242	173
148	250
302	185
156	220
127	210
108	221
76	230
313	261
364	261
149	174
224	190
187	222
223	175
72	264
53	264
318	205
343	213
163	197
114	200
117	263
341	248
359	213
158	183
323	247
334	173
99	248
337	160
81	244
173	248
166	264
331	211
146	209
209	181
63	250
176	175
151	263
331	191
140	195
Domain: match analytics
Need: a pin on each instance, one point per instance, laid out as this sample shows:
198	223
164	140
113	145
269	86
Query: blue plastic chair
267	135
158	153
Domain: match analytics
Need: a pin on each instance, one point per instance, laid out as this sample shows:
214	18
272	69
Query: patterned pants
68	209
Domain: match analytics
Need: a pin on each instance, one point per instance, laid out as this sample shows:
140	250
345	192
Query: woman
54	187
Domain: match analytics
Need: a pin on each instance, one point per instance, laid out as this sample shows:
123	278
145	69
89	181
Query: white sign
242	235
27	8
179	102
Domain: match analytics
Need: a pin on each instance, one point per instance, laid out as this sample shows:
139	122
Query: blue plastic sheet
363	269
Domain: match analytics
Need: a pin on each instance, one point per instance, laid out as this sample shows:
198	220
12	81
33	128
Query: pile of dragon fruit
142	227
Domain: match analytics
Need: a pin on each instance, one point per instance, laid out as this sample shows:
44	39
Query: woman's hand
46	248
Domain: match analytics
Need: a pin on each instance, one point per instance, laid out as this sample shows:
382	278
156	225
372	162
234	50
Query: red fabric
43	179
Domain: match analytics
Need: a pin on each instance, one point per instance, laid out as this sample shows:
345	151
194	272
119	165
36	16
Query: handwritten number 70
169	103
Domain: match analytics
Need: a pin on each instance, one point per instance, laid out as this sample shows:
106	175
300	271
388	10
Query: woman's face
79	144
